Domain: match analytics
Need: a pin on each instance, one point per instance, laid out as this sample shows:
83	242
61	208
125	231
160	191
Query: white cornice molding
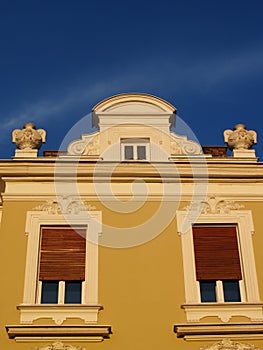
33	197
218	331
51	333
185	166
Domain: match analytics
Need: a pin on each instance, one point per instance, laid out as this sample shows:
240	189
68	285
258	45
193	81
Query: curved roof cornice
119	99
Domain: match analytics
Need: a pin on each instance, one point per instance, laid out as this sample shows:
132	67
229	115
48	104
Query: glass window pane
141	152
73	292
231	291
128	152
49	294
208	291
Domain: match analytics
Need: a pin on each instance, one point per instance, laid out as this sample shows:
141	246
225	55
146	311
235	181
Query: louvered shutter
216	253
62	254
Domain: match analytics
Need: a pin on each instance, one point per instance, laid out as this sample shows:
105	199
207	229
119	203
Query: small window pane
73	292
128	152
208	291
49	294
231	291
141	152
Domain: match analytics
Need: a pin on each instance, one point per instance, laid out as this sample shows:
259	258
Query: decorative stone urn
240	140
240	137
28	137
28	140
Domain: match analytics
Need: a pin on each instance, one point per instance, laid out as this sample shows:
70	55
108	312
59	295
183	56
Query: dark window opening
208	291
73	292
49	293
231	291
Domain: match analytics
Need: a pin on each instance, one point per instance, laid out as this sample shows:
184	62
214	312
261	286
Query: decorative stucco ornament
227	344
28	138
58	346
214	205
240	137
64	205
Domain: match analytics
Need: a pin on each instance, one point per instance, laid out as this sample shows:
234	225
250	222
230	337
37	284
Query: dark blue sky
60	57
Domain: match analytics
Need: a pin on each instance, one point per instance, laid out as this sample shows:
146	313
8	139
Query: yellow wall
141	288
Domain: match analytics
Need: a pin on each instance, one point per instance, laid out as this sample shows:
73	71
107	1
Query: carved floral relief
58	346
28	138
240	137
227	344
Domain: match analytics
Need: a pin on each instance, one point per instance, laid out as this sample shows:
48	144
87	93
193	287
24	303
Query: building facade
131	237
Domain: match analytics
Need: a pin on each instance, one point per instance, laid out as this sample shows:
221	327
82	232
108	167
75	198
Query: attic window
135	149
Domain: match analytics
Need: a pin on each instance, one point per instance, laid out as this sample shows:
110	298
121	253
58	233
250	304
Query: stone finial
240	140
240	137
28	140
28	137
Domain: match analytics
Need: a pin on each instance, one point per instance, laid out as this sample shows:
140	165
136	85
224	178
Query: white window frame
219	290
31	309
250	305
135	142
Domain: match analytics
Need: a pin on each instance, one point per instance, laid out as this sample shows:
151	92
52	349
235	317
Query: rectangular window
217	262
135	149
61	275
62	265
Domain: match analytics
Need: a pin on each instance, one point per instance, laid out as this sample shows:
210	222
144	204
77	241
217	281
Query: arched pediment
132	105
133	127
130	102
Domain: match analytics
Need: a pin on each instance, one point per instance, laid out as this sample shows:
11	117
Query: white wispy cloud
207	72
46	109
222	70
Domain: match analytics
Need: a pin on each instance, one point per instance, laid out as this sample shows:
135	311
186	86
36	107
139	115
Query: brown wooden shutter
62	254
216	253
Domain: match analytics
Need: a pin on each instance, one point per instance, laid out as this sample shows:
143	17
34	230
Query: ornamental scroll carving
240	137
215	205
181	145
65	205
58	346
88	145
227	344
28	138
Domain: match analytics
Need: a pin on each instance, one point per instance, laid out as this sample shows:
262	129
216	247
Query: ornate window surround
219	211
51	213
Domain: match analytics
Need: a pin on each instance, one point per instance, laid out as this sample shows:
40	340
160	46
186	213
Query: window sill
58	313
88	333
224	311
